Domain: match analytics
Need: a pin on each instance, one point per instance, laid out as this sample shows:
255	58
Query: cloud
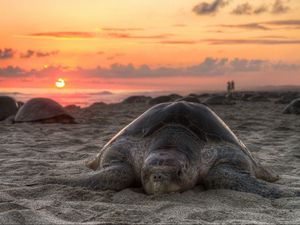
284	23
247	26
208	67
45	54
247	9
30	53
253	41
130	36
179	42
115	56
267	40
205	8
6	53
266	25
64	34
27	54
10	71
120	29
117	33
279	7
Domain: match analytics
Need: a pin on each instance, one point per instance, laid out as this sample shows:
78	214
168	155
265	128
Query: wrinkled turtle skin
174	147
43	110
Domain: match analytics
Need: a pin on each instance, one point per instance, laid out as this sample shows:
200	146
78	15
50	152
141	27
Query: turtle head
165	171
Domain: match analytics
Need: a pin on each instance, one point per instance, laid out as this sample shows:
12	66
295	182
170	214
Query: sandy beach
30	152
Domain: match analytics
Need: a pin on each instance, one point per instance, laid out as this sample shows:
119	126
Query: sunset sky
149	45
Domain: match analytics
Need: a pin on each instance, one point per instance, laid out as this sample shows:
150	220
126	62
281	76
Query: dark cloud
10	71
247	9
6	53
31	53
64	34
243	9
27	54
208	67
45	54
260	9
279	7
212	8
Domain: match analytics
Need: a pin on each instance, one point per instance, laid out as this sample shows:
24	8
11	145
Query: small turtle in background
136	99
8	107
219	100
43	110
173	147
293	107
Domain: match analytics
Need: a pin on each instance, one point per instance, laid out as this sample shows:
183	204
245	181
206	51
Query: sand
29	152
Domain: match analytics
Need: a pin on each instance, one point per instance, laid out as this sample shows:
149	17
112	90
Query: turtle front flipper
226	176
114	177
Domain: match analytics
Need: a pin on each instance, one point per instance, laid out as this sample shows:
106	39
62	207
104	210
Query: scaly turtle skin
43	110
173	147
8	107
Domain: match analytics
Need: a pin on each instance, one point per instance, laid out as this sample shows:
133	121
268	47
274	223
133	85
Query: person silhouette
232	86
228	87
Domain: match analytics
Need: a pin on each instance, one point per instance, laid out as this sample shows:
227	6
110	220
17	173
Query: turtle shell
38	109
8	107
198	118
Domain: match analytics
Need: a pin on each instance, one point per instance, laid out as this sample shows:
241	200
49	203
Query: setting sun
60	83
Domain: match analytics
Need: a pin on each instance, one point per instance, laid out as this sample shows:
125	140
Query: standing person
232	86
228	87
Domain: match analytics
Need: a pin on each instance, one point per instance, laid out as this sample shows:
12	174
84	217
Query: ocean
83	97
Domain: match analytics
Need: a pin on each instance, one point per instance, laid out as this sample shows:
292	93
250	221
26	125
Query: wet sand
29	152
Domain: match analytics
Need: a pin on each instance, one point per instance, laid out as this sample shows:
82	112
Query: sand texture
29	152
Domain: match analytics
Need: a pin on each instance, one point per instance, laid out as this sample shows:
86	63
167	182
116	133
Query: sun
60	83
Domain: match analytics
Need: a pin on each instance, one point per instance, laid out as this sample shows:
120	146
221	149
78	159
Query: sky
149	45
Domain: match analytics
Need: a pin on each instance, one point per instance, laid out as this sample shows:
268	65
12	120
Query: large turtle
173	147
8	107
43	110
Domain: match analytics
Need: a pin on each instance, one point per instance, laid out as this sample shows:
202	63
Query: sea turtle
136	99
293	107
219	100
8	107
173	147
43	110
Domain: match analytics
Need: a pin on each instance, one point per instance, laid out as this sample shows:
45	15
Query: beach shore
30	152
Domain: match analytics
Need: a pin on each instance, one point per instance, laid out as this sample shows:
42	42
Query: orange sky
168	44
